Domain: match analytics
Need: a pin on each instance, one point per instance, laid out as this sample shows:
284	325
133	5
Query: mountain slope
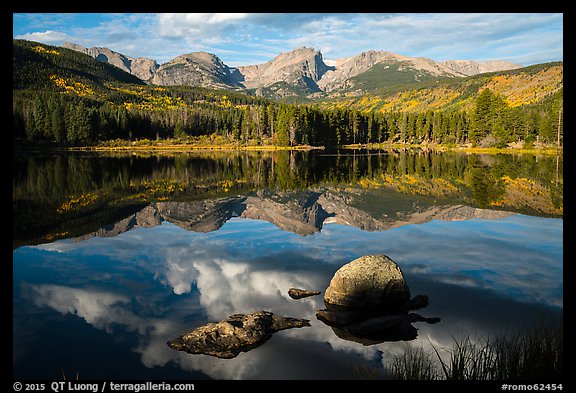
344	74
391	79
197	69
518	87
301	72
469	67
140	67
63	97
34	64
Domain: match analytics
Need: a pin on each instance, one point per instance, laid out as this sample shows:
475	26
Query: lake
116	254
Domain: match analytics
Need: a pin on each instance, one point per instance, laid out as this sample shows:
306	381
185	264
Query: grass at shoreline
175	145
185	148
534	354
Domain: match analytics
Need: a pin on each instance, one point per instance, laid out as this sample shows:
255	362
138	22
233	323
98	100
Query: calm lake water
114	255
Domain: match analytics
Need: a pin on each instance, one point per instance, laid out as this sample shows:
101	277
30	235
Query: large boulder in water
368	301
372	283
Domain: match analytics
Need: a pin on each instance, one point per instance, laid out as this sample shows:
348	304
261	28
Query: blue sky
253	38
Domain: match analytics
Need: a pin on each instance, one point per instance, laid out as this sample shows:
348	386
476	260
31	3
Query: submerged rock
368	301
296	293
237	333
337	318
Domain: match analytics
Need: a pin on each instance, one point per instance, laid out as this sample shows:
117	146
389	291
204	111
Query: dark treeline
72	120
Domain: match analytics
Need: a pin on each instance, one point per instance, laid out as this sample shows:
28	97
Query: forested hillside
64	97
518	87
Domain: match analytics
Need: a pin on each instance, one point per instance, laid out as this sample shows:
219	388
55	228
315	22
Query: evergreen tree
58	126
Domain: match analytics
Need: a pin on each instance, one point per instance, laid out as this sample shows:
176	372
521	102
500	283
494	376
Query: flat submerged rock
235	334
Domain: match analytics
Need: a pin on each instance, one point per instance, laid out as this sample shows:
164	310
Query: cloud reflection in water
480	276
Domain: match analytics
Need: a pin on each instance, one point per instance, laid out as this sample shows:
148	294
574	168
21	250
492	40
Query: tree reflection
485	188
59	193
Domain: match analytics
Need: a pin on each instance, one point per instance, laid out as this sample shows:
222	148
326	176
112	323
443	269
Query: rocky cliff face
143	68
469	67
197	69
302	67
140	67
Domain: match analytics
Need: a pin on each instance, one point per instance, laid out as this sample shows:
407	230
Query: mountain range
300	72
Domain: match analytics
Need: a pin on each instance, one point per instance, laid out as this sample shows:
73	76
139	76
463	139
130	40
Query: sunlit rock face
301	67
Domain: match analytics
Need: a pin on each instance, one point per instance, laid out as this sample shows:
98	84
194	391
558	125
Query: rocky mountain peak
76	47
197	69
346	69
141	67
302	67
200	57
297	54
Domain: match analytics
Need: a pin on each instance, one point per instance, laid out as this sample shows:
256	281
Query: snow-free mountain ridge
299	72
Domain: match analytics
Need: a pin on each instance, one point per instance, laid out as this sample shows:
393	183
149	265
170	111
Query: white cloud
251	38
203	24
47	37
98	308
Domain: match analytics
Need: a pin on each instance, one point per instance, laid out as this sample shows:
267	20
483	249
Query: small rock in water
296	293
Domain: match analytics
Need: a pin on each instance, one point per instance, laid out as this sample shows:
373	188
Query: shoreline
549	150
188	147
192	147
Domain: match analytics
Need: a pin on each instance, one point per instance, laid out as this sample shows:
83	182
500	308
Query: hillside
34	63
469	68
140	67
518	87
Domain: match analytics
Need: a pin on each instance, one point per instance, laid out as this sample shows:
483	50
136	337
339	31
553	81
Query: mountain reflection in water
106	298
302	213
